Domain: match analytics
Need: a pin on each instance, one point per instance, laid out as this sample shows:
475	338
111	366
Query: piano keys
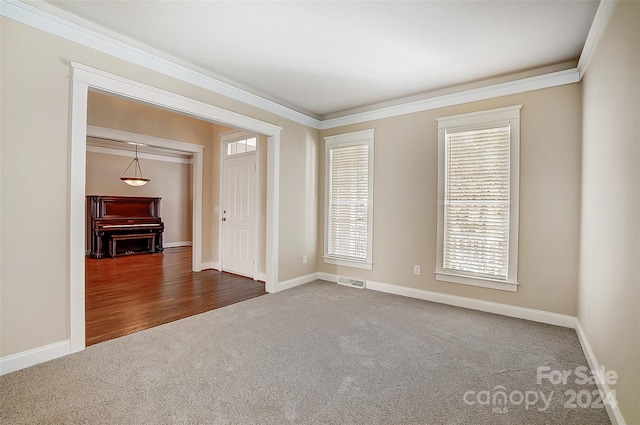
123	225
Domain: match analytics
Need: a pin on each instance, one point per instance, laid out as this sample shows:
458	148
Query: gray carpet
316	354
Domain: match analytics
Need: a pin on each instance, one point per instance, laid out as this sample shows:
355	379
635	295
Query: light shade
135	180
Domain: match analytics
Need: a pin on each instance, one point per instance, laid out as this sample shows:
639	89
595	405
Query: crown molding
544	81
599	24
56	25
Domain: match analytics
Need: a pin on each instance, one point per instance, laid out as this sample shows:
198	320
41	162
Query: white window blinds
476	204
349	202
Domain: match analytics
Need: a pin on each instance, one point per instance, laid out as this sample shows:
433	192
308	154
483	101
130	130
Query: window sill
477	281
348	263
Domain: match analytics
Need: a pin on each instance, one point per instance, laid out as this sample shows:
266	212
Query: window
349	199
244	145
478	180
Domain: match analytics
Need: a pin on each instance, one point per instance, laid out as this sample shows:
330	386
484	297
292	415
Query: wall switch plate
416	269
304	259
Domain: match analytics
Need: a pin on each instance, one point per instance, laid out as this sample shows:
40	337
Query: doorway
239	203
85	78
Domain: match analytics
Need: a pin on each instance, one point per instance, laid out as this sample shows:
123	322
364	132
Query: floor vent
355	283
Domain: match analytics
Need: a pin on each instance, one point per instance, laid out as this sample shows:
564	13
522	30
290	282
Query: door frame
85	78
229	137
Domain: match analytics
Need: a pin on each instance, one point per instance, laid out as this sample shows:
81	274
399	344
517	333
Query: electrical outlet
416	269
304	259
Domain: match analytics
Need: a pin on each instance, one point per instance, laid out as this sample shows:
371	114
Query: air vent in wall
355	283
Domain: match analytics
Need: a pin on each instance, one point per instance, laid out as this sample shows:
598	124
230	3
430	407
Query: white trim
220	209
348	263
328	277
77	213
120	86
128	136
509	115
480	117
261	277
83	78
196	229
552	79
531	314
615	415
34	356
599	24
273	212
256	252
297	281
131	154
176	244
64	28
362	137
211	265
477	281
56	25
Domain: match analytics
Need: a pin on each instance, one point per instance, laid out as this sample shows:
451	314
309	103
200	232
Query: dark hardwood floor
131	293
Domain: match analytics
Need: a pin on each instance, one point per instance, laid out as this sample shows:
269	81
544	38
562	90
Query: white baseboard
176	244
470	303
615	415
328	277
296	281
34	356
211	265
262	277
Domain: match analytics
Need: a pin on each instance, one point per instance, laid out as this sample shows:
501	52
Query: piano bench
150	239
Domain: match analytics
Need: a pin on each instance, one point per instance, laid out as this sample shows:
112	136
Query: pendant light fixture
136	180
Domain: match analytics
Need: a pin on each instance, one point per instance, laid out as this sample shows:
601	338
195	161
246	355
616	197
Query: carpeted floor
316	354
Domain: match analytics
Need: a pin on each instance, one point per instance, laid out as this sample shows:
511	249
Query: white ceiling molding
552	79
131	154
48	22
600	21
56	25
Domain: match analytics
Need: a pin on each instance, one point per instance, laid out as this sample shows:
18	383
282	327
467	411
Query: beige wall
169	180
34	193
35	169
122	114
609	290
405	200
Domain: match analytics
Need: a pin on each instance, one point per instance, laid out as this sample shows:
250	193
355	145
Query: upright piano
123	225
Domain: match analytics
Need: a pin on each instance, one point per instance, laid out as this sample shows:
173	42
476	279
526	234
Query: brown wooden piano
123	225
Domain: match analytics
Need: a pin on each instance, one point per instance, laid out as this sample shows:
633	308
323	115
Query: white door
239	218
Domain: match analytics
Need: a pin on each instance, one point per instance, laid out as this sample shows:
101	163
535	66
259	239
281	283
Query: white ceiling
323	58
